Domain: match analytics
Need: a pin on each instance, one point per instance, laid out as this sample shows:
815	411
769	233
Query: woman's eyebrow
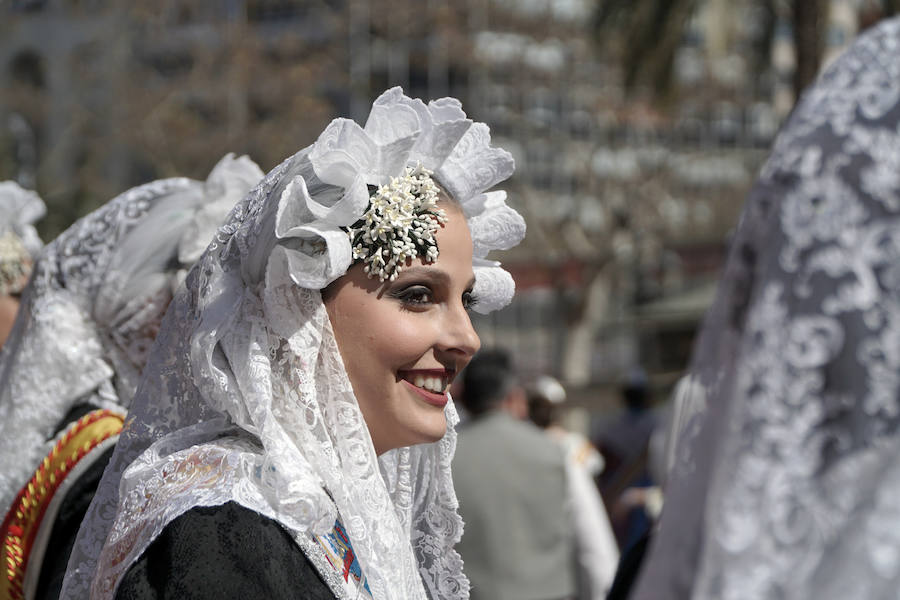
432	274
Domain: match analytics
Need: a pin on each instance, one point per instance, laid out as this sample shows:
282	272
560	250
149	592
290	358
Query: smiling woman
292	435
404	341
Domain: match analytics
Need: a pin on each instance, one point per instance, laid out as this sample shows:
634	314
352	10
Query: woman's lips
439	400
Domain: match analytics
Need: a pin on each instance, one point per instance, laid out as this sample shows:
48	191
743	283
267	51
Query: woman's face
9	306
404	341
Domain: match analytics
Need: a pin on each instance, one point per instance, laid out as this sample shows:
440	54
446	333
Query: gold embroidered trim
24	518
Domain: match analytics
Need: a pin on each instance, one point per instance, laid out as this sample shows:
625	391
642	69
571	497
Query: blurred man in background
511	483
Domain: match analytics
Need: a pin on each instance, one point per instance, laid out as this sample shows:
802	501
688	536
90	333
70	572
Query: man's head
490	383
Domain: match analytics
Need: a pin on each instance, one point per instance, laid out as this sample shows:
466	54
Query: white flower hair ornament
19	240
389	175
399	225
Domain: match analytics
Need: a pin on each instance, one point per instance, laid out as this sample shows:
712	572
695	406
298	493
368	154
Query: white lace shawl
787	480
246	398
93	308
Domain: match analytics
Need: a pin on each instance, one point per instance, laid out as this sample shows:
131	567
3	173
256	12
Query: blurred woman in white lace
786	475
89	316
19	247
292	435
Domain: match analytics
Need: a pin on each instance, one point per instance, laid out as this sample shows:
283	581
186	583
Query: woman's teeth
432	384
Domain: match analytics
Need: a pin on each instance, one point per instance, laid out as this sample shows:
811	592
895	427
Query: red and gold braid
22	522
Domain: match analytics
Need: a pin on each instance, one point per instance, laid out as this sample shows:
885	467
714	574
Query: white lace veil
93	307
245	397
19	240
786	482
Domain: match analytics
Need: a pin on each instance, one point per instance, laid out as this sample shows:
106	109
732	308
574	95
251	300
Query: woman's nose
459	335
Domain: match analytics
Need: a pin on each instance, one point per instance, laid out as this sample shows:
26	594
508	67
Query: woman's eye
469	300
417	295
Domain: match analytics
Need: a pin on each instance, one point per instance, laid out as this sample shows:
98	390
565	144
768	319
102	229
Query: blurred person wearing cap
595	544
510	479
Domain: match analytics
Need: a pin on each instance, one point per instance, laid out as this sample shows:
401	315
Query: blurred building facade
628	199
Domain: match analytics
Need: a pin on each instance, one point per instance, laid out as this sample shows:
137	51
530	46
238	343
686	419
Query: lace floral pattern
801	365
246	371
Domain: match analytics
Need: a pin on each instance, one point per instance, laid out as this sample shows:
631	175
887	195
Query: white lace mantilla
788	481
245	397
